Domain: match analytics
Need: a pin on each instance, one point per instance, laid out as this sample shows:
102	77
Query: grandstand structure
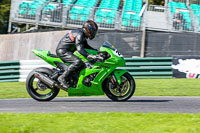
124	15
109	14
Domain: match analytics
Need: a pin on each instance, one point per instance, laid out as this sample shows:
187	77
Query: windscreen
108	45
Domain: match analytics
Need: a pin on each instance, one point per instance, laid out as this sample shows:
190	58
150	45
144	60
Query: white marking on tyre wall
26	66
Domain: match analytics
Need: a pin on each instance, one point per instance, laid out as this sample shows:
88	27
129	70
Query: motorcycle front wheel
38	90
127	88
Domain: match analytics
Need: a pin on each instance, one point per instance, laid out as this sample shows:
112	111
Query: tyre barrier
140	68
17	71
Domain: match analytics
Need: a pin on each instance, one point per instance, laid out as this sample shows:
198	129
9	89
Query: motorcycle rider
72	41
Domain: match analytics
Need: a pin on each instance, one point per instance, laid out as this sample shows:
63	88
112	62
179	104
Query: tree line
4	15
156	2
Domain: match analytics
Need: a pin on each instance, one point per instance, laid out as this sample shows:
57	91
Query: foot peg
63	83
65	88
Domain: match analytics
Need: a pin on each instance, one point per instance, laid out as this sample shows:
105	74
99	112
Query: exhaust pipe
46	80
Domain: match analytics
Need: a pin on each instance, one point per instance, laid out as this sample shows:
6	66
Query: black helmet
90	29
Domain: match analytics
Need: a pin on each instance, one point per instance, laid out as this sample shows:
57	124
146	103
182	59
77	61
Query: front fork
115	81
116	77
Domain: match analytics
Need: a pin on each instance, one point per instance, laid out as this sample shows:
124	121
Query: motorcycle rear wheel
38	90
127	88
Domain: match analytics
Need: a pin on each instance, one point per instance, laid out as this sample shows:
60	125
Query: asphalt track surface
164	104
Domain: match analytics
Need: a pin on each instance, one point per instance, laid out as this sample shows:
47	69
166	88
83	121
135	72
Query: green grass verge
99	123
144	87
167	87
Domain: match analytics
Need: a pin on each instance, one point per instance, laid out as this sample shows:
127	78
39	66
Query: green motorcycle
95	77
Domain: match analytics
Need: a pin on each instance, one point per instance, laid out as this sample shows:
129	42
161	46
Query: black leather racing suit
72	41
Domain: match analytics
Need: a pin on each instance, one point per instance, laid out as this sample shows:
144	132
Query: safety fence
176	17
194	2
195	13
156	18
183	1
156	8
151	67
181	19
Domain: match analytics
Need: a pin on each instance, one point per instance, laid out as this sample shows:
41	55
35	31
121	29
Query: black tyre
38	90
127	88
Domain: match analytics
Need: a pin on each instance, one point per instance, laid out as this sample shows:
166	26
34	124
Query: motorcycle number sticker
117	53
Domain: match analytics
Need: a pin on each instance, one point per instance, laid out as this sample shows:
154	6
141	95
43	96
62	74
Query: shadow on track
142	101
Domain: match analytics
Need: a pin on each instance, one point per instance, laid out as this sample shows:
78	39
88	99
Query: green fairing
118	74
45	56
104	70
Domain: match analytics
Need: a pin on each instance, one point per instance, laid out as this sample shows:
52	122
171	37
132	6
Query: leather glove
97	58
93	57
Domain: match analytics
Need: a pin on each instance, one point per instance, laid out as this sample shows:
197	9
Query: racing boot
62	80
